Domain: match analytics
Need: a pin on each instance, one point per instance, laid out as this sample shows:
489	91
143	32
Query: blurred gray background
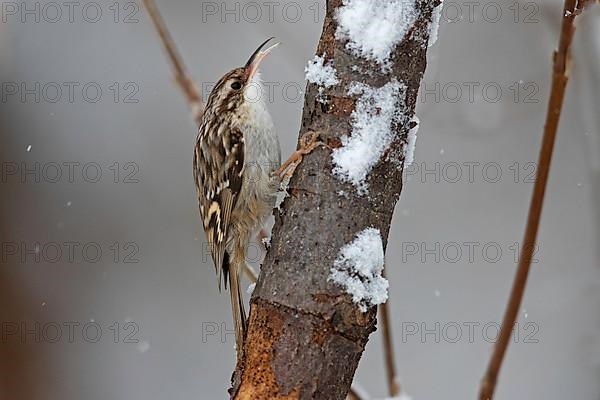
106	287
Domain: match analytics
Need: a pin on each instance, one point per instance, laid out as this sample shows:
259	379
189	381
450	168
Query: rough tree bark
305	335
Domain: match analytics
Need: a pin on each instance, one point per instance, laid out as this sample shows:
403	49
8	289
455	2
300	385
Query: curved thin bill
256	58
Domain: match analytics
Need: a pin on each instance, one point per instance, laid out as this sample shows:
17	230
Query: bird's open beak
256	58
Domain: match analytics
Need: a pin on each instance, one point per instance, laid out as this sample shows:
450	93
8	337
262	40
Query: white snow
320	73
358	269
282	194
28	148
250	288
374	28
374	113
409	149
435	24
266	241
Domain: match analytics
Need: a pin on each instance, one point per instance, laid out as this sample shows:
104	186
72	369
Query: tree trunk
305	335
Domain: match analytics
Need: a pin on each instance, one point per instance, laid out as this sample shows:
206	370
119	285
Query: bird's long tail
237	308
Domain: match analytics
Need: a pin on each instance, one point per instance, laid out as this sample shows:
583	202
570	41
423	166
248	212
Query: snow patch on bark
322	74
409	147
435	24
319	73
373	29
358	269
375	114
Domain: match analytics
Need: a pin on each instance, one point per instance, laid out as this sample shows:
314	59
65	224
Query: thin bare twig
186	83
388	348
560	77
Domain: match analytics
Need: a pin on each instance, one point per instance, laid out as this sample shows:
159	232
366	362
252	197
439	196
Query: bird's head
240	84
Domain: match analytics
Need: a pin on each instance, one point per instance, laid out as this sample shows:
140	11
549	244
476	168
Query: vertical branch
560	77
305	333
388	348
186	84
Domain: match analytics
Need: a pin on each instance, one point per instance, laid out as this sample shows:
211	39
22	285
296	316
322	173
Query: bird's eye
236	85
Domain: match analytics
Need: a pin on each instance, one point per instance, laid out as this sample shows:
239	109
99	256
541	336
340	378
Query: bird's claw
308	142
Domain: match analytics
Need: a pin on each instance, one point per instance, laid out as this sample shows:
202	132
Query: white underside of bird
262	156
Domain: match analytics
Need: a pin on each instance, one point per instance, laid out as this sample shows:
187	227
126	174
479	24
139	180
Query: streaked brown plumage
235	155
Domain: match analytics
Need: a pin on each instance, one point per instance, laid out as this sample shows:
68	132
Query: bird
236	154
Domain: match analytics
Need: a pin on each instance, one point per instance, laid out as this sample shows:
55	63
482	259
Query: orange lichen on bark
266	329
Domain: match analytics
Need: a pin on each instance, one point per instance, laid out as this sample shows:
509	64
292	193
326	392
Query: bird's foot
308	142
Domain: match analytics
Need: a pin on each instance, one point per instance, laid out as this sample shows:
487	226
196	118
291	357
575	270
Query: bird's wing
218	169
